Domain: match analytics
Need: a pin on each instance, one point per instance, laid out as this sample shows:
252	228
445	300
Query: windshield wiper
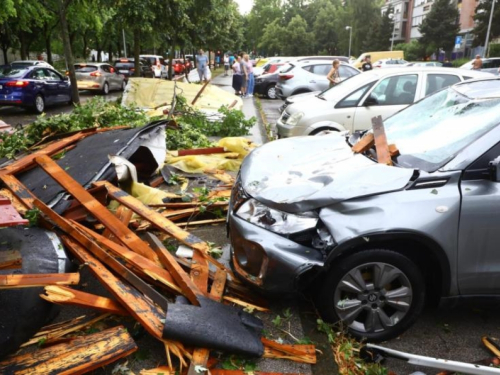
320	97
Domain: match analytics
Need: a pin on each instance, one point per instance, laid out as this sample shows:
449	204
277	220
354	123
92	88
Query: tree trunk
67	51
48	49
137	51
170	61
22	40
84	49
5	58
99	54
110	52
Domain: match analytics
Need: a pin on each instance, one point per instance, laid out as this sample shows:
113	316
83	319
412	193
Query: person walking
477	64
201	64
244	75
251	79
226	65
334	75
236	67
367	65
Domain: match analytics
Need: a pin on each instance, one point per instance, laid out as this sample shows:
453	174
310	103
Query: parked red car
178	66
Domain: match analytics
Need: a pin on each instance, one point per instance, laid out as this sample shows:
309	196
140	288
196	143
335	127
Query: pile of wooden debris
124	249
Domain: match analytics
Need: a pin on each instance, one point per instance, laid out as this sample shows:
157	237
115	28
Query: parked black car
266	85
126	66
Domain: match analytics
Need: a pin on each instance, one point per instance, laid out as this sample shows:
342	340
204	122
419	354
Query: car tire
271	91
105	88
358	291
39	105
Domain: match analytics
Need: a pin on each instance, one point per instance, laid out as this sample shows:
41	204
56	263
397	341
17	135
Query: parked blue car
33	88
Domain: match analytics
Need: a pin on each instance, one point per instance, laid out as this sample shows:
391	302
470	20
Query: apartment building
409	14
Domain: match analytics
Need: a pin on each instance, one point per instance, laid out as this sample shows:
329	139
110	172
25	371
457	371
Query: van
375	56
158	64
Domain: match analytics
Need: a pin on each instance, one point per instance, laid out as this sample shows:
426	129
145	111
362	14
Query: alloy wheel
271	92
39	104
373	297
105	89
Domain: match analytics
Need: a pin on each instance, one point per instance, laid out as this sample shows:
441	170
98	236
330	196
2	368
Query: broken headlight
274	220
294	119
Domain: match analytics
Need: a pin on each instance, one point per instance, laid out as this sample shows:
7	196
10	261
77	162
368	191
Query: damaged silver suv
377	240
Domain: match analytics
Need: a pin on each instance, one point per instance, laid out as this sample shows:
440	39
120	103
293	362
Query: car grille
285	116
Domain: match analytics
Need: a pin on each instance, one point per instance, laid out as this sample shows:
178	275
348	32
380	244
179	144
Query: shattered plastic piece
184	252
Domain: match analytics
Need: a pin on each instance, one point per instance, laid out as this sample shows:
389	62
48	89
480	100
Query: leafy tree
324	31
440	26
271	40
298	40
412	51
482	19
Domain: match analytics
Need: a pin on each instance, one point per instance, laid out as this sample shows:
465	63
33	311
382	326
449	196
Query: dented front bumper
268	260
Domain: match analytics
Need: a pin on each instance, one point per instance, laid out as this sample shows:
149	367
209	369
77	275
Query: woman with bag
334	74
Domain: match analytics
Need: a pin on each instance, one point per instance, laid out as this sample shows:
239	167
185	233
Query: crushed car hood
305	173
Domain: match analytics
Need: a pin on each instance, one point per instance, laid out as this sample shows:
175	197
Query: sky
244	5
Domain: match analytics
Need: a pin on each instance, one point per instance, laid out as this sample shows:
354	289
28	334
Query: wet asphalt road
441	332
21	116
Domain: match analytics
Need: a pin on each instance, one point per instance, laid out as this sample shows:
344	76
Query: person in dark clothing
367	65
447	64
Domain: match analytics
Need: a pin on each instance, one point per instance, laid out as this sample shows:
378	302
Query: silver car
490	65
351	104
373	242
307	76
99	77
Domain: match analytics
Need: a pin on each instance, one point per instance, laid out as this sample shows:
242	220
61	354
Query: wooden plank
163	370
125	235
383	154
17	188
67	296
124	215
10	259
160	222
49	336
80	355
219	285
202	151
393	150
218	371
189	289
137	305
295	350
18	205
37	280
144	264
364	143
200	92
201	222
53	148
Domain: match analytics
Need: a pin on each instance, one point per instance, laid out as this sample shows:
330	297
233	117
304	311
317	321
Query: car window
346	72
397	90
152	60
162	61
487	64
13	72
287	68
21	64
53	75
308	68
495	63
436	82
39	74
353	99
322	69
123	65
84	68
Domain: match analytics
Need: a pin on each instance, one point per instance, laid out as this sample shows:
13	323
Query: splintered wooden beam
110	221
163	370
160	222
18	189
10	259
68	296
200	92
78	356
149	315
217	371
364	144
49	335
28	160
188	287
124	215
139	262
383	153
297	353
37	280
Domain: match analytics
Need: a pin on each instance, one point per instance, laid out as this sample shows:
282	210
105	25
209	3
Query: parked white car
27	63
308	76
352	104
259	70
158	65
390	63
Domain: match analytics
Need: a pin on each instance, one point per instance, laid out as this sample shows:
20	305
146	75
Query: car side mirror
494	169
371	100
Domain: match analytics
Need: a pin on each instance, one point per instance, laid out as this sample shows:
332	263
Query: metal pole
124	43
393	30
485	52
350	39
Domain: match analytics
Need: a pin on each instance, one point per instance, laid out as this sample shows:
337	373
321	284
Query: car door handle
312	81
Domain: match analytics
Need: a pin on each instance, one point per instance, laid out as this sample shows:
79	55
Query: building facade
409	15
